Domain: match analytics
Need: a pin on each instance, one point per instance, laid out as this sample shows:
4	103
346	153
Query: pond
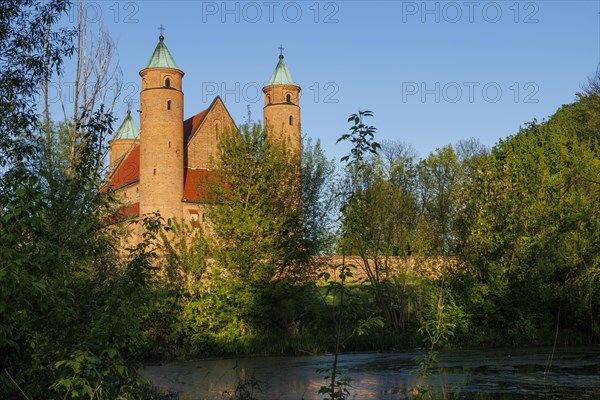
525	373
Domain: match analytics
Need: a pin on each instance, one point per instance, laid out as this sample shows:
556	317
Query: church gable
204	136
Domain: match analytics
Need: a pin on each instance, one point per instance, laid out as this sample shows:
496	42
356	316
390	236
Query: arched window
291	120
217	129
168	82
168	104
269	99
288	98
137	194
169	222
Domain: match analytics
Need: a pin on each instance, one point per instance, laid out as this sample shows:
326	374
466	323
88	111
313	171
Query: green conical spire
161	58
128	129
281	75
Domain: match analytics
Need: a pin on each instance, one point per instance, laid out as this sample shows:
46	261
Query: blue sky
433	72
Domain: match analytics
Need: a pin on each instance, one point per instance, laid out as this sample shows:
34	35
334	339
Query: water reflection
571	373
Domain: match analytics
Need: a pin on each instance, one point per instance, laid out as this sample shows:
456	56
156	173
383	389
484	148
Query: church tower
282	106
126	138
161	136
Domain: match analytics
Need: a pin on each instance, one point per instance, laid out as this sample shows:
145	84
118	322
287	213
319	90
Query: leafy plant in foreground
338	388
361	136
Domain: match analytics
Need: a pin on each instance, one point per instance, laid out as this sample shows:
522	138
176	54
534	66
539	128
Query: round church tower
161	135
282	106
126	138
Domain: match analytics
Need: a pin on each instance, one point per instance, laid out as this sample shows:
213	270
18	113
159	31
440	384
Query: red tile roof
196	184
191	124
133	210
128	172
195	180
125	212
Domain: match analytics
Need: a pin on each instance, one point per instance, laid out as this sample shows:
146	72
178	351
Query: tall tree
438	175
256	223
96	83
30	46
318	198
531	242
379	225
70	312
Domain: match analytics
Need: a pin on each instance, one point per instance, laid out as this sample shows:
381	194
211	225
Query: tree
70	311
96	84
361	136
318	199
438	175
379	225
530	243
256	226
29	50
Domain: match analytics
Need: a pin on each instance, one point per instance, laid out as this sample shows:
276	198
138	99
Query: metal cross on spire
281	49
161	28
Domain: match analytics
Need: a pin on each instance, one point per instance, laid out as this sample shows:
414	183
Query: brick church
165	164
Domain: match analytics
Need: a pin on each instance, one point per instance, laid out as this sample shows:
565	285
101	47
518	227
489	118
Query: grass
313	333
308	343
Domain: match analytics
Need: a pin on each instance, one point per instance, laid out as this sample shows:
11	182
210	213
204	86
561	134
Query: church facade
165	165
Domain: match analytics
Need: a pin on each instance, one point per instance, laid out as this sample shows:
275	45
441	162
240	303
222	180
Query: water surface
531	373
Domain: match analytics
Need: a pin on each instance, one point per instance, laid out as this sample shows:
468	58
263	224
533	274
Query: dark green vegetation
71	311
513	232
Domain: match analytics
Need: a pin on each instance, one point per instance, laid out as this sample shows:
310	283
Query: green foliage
88	374
318	198
441	318
341	386
531	234
66	301
346	304
257	218
258	275
62	309
517	231
180	271
186	254
511	232
32	49
361	136
379	224
71	309
438	175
